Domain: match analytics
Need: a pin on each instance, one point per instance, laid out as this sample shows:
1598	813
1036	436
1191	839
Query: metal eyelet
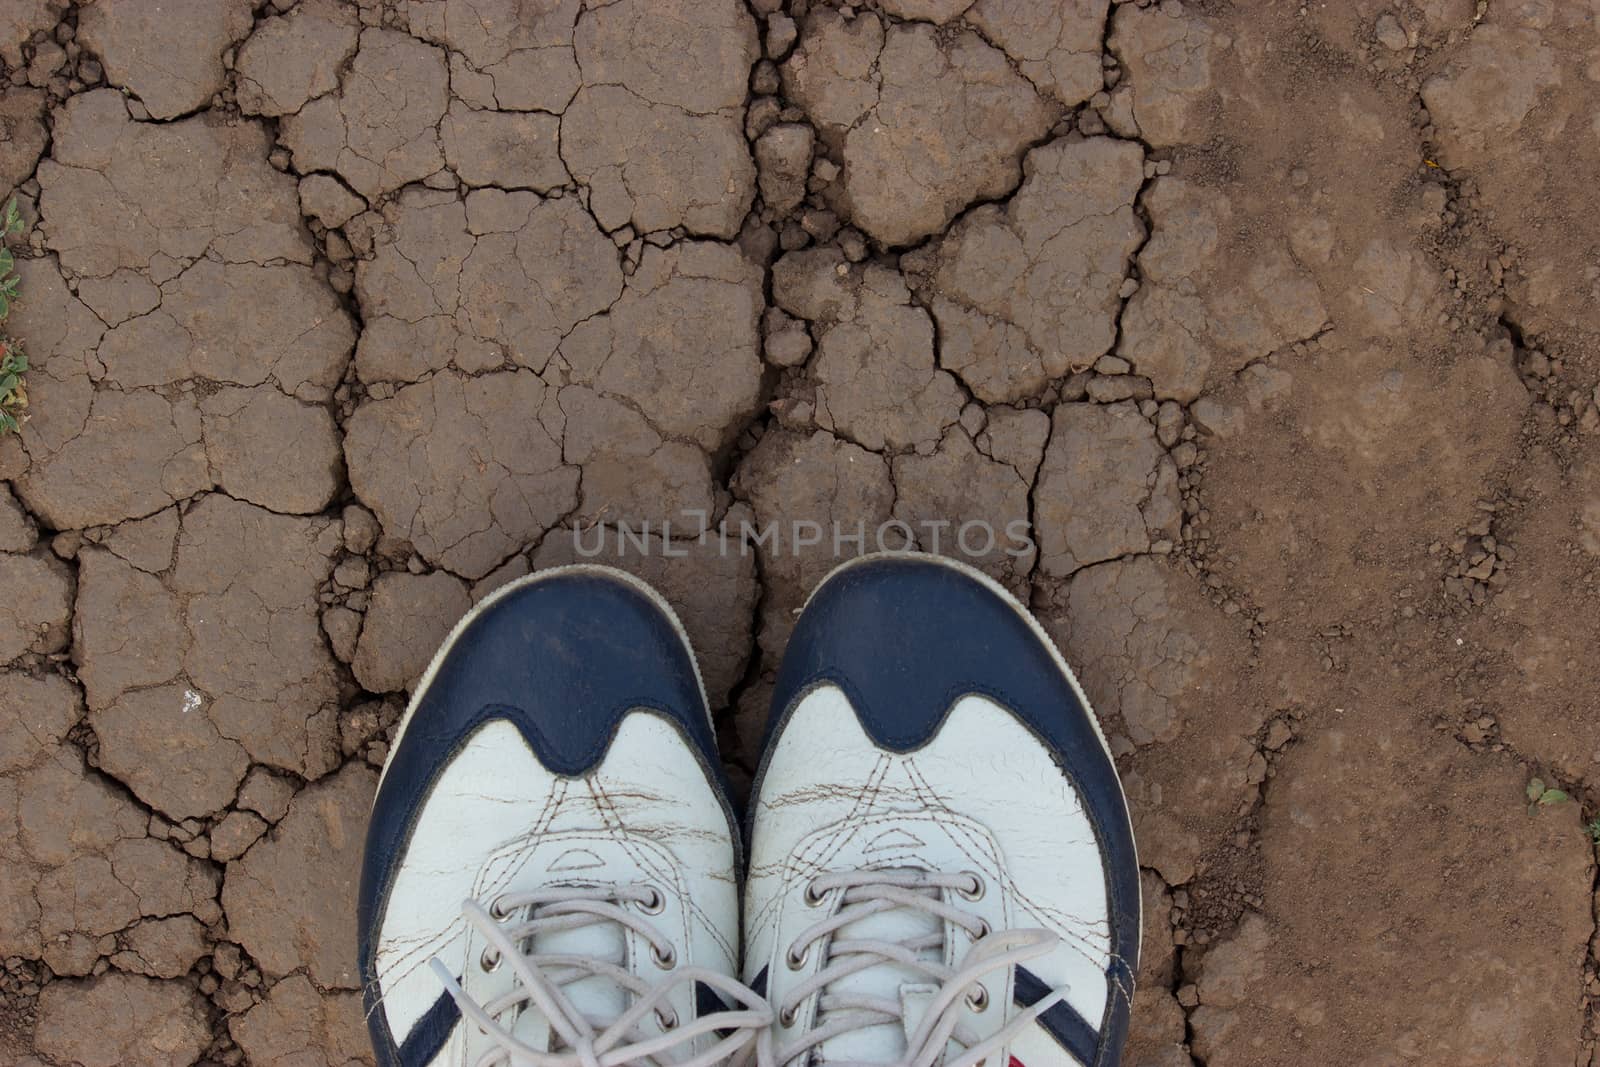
656	904
813	896
984	930
664	960
786	1016
668	1020
796	962
498	909
978	1001
489	961
977	890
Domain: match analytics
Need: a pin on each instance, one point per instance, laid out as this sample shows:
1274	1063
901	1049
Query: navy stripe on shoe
708	1002
1061	1021
1119	1007
430	1033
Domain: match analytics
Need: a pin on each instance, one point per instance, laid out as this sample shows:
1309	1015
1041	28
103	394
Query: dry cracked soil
1274	323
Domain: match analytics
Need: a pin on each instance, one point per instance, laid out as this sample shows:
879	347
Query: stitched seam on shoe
604	801
1062	920
412	959
787	869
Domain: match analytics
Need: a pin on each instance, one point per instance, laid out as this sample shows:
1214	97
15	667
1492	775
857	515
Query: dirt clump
287	897
897	397
122	1019
169	58
922	124
1070	229
291	59
406	619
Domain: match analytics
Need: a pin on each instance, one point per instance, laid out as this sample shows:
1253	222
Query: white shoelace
868	893
576	1039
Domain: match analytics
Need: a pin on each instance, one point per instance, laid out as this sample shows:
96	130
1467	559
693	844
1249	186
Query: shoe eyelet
498	910
978	1000
984	930
813	896
656	904
794	961
664	960
489	961
978	887
786	1016
668	1020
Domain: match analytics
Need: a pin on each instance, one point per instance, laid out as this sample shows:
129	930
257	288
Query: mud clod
407	619
373	135
170	57
877	380
122	1019
501	464
287	898
1070	229
1105	490
293	58
875	90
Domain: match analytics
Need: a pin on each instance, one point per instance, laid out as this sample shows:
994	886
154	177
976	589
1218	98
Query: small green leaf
1553	796
7	423
1536	789
8	382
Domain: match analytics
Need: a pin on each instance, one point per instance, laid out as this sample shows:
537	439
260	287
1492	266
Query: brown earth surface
1276	320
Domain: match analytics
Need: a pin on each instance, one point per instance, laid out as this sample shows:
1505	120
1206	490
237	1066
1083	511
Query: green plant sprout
13	394
1542	796
13	362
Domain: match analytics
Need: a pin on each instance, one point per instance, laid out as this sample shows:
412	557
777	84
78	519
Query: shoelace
868	893
745	1035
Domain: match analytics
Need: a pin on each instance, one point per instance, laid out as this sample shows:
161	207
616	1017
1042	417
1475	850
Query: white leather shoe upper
646	816
983	797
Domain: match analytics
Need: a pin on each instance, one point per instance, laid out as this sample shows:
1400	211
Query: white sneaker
549	875
942	868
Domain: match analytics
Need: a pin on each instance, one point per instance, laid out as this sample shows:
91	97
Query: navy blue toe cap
906	637
563	657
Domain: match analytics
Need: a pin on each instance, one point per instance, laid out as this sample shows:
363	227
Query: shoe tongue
889	981
594	996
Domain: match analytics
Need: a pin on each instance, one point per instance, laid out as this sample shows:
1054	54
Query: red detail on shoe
1014	1062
